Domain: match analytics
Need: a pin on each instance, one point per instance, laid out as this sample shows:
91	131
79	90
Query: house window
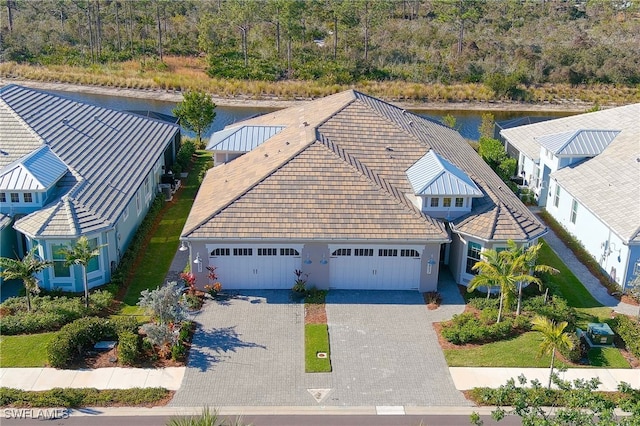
363	252
446	202
289	252
28	197
147	185
3	197
341	252
556	197
15	197
125	214
138	202
574	211
94	263
267	252
409	253
435	202
59	269
459	202
473	256
220	252
387	252
242	252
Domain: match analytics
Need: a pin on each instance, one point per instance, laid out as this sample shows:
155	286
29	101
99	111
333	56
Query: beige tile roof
338	171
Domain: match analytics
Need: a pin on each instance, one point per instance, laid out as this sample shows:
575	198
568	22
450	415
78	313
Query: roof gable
433	175
241	138
580	143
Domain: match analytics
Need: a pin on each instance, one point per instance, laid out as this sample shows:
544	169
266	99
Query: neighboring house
69	169
585	170
353	191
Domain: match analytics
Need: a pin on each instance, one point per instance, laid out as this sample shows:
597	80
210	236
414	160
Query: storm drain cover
319	394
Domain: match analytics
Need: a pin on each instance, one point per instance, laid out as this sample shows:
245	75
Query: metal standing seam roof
37	172
304	176
109	154
433	175
581	143
241	138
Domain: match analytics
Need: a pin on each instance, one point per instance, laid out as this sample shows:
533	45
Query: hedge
82	397
129	345
74	338
629	330
466	328
48	313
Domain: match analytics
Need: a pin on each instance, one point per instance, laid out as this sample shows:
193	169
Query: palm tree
553	338
525	259
502	270
81	254
24	270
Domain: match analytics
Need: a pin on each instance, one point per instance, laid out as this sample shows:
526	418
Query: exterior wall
633	264
597	238
429	273
456	249
318	272
451	212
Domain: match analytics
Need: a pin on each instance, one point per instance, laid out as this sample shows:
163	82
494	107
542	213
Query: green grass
156	260
521	351
316	339
26	350
566	283
607	358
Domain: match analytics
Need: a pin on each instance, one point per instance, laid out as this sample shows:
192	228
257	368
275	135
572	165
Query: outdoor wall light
198	261
430	264
323	261
308	260
183	246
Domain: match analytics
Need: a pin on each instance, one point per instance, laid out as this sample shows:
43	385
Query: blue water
467	122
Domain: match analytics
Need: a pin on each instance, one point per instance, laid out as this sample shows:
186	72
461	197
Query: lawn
28	350
316	339
521	351
156	259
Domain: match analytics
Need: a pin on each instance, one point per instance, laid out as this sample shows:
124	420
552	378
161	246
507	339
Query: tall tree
242	14
498	269
24	270
81	254
196	112
460	12
553	338
159	23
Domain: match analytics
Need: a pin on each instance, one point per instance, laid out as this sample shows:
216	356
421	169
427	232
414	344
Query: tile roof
17	139
35	172
241	138
433	175
98	145
608	184
337	170
581	143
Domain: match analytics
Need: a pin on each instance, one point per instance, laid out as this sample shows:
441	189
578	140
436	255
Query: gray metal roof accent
433	175
5	220
582	143
109	153
241	138
37	172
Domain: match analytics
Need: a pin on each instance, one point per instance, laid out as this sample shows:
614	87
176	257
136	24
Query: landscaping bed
85	397
316	334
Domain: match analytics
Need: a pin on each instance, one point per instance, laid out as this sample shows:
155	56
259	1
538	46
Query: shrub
74	338
75	398
575	353
128	347
556	309
48	313
482	302
629	331
178	351
164	303
466	328
160	336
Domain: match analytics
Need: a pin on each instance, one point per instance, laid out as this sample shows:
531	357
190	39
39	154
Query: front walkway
591	283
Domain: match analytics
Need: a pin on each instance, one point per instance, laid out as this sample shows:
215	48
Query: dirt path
247	101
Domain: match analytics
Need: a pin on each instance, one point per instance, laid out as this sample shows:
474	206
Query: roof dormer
442	189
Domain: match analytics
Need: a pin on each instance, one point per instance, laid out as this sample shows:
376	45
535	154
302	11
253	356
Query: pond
468	121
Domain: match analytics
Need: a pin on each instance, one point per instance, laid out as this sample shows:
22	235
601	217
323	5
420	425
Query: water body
468	122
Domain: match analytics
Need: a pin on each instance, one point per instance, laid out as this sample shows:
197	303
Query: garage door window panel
289	252
267	252
363	252
341	252
243	252
220	252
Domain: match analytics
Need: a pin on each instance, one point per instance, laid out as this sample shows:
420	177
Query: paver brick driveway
249	351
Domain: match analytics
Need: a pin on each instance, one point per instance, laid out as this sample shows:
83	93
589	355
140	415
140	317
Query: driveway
248	351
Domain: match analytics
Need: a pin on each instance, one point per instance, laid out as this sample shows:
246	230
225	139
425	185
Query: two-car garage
272	266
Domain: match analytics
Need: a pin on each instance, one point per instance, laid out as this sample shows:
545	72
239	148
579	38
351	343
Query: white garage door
374	268
255	267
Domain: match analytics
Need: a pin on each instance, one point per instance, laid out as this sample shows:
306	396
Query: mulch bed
315	313
104	359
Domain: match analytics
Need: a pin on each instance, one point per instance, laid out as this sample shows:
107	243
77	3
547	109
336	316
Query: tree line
504	44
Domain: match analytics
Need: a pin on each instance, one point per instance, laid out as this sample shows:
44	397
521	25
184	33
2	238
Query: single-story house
585	170
71	169
354	192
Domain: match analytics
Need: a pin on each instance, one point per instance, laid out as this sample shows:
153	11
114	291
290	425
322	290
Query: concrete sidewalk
466	378
38	379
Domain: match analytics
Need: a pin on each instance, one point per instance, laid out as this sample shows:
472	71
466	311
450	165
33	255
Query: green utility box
600	333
